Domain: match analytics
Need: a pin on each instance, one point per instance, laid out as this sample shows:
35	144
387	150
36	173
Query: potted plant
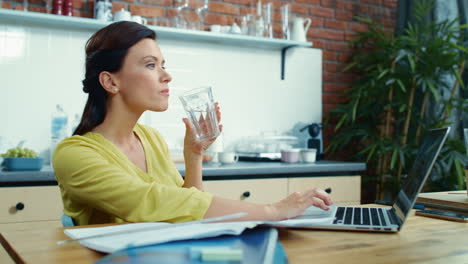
402	91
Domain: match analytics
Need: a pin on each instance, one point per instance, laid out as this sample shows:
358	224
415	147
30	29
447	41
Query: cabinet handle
19	206
246	194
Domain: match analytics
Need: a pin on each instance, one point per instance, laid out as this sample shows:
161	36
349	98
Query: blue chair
67	221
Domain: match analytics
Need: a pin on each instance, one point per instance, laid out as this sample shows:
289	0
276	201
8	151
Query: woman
115	170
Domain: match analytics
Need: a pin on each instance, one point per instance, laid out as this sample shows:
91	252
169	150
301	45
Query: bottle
259	22
75	123
57	6
58	128
67	8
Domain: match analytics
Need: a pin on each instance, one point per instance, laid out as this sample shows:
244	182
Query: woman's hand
192	146
296	203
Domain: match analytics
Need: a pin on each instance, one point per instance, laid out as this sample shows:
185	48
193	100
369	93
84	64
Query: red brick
340	46
213	19
350	36
78	13
344	77
78	4
224	8
147	11
170	13
240	2
334	67
118	6
5	5
328	3
343	15
316	43
332	98
300	9
246	10
322	11
391	3
388	22
377	2
344	57
329	77
345	5
334	24
311	2
317	22
326	34
330	56
358	27
37	9
333	87
154	2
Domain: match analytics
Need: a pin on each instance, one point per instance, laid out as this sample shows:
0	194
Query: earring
116	89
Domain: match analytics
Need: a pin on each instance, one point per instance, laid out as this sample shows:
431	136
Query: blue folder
258	245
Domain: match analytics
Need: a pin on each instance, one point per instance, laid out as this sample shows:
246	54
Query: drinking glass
25	5
285	13
202	10
180	5
267	9
199	106
48	6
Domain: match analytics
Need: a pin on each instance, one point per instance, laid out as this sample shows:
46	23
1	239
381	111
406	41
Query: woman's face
142	80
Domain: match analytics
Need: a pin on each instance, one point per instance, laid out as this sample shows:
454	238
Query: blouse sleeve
90	178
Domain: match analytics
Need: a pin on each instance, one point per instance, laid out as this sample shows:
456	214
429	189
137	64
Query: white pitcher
299	28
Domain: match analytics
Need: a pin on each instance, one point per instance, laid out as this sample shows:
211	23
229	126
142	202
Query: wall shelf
7	15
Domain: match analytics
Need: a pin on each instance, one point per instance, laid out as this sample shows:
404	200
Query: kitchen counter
213	171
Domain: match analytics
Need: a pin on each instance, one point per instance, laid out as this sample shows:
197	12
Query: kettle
299	28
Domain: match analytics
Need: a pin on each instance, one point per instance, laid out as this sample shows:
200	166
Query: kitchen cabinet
22	204
268	182
255	190
346	190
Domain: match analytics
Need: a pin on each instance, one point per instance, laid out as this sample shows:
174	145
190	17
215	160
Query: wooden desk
422	240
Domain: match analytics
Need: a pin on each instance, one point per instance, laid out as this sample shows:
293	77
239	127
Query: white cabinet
44	203
22	204
346	190
255	190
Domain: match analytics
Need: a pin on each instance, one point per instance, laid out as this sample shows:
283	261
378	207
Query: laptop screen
422	166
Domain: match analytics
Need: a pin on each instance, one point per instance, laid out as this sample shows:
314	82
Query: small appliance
316	141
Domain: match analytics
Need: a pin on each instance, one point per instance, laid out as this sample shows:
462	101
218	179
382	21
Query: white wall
40	67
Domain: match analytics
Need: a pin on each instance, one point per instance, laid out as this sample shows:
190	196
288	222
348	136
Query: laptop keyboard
361	216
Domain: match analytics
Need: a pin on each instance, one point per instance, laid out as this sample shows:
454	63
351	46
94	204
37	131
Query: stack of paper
142	234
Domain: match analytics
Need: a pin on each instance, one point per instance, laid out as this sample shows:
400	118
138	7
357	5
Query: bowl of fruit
21	159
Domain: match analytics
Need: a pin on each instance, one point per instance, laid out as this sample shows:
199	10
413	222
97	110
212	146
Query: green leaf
458	47
411	62
460	173
433	90
340	123
394	159
459	79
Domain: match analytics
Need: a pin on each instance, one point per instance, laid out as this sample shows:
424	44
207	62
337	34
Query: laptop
378	219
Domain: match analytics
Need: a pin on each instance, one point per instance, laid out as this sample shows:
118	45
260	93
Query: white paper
153	233
132	237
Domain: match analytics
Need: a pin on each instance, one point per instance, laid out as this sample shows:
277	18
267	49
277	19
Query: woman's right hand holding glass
296	203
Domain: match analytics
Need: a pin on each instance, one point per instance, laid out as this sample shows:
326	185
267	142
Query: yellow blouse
99	184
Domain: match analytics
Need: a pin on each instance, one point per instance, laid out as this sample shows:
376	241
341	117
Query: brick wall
332	26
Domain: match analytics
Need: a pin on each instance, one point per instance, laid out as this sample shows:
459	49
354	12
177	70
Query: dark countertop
214	171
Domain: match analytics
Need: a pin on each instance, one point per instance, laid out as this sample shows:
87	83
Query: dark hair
106	51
